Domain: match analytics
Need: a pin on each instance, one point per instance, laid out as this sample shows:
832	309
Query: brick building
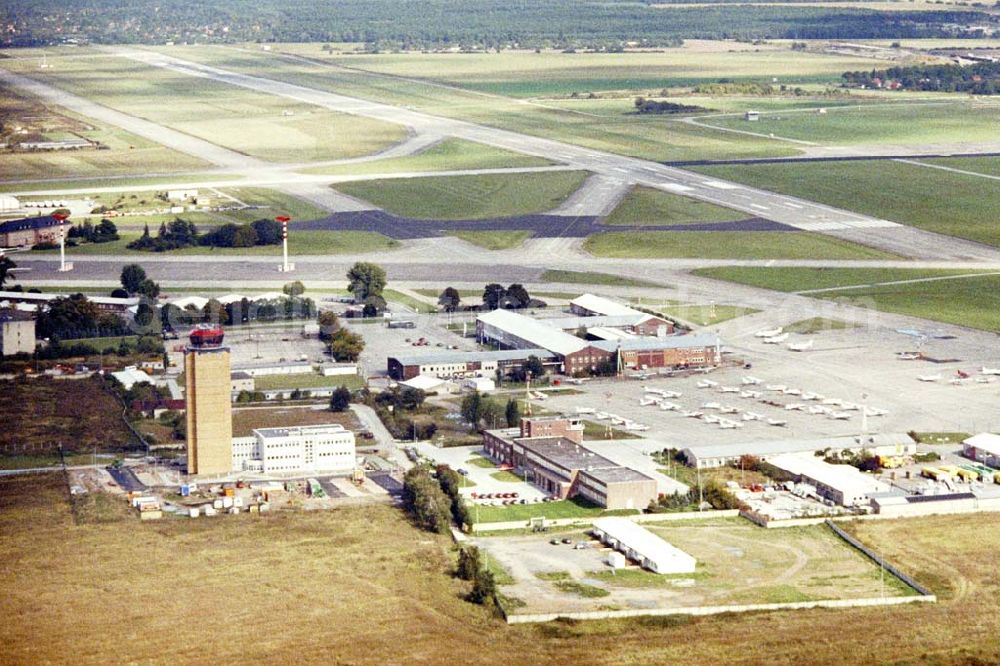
29	231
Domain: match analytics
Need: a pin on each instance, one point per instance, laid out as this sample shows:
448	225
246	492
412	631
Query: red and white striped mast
284	219
61	218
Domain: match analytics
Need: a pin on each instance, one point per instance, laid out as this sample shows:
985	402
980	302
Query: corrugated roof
985	441
461	356
844	478
646	544
602	305
776	447
530	330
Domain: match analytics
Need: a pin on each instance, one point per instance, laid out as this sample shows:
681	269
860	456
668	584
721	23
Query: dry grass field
361	586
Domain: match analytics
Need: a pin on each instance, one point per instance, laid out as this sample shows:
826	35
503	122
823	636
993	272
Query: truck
402	323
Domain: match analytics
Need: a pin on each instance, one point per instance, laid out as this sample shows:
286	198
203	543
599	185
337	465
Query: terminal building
549	451
642	546
318	448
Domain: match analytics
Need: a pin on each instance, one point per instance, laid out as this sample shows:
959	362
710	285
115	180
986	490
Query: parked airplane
769	332
750	394
985	380
578	380
875	411
962	374
707	383
586	410
602	416
811	396
819	409
669	406
795	406
792	391
693	414
776	340
750	381
930	378
777	422
726	424
711	418
728	410
990	371
800	346
840	416
908	356
645	402
728	389
775	387
671	394
751	416
711	405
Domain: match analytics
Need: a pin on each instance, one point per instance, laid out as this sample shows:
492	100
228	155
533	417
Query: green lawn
111	181
932	199
989	166
705	314
468	197
727	245
494	240
448	155
571	508
816	325
506	476
102	343
305	381
588	277
480	461
272	203
393	296
806	279
649	206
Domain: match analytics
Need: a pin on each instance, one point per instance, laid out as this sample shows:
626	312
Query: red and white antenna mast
285	266
61	218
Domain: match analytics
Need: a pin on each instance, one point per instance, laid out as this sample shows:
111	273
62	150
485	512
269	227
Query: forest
981	78
483	24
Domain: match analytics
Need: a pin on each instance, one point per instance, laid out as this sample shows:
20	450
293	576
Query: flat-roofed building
842	484
639	544
30	231
718	455
550	454
463	364
984	448
678	352
327	448
589	305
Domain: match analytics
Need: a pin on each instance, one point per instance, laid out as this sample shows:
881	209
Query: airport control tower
209	405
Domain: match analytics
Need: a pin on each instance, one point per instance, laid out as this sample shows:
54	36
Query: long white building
843	484
318	448
639	544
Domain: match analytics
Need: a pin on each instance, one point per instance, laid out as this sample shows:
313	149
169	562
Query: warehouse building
17	333
983	448
464	364
589	305
550	454
642	546
842	484
318	448
677	352
718	455
638	323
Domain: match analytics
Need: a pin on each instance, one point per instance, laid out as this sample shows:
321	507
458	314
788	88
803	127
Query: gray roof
239	374
644	343
461	356
572	456
532	331
776	447
613	321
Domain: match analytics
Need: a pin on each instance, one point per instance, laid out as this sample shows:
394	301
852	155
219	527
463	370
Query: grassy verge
807	279
817	324
589	277
393	296
507	477
468	197
571	508
480	461
940	437
705	314
494	240
649	206
727	245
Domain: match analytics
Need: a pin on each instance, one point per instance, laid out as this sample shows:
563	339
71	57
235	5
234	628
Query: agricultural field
916	122
649	206
967	300
448	155
940	201
409	597
263	126
468	197
247	419
41	413
726	245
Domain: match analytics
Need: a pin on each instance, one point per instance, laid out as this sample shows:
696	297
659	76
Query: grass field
42	413
989	166
263	126
587	277
306	381
704	314
727	245
817	325
247	419
468	197
649	206
571	508
448	155
915	123
972	300
940	201
382	590
494	240
393	296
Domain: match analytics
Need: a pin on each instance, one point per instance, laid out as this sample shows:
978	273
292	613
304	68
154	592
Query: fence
879	560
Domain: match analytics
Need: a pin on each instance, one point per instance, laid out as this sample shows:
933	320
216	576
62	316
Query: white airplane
751	416
632	425
726	424
671	394
930	378
792	391
985	380
810	396
617	420
711	405
777	422
776	340
989	371
875	411
728	389
750	381
707	383
840	416
769	332
711	418
908	356
800	346
729	410
775	387
749	394
669	406
832	401
602	416
586	410
645	402
797	406
819	409
578	380
693	414
651	389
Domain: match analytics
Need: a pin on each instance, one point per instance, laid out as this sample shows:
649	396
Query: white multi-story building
318	448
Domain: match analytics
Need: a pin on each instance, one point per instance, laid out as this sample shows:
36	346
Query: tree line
179	234
981	78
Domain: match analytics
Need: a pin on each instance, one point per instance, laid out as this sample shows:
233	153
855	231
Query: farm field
494	240
468	197
409	597
918	122
263	126
649	206
726	245
42	413
931	199
448	155
972	301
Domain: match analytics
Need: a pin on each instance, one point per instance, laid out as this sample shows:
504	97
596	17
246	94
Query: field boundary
717	610
881	561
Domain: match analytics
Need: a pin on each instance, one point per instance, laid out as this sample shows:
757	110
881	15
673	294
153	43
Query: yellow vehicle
959	473
935	473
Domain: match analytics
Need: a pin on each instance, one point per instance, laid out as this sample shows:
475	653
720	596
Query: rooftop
648	545
779	446
602	306
532	331
301	431
572	456
465	356
844	478
985	441
644	343
28	223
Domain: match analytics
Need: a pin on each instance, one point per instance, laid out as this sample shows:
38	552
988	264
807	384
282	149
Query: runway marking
720	185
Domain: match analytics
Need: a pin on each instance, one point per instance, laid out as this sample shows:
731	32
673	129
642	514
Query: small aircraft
750	381
776	340
578	380
751	416
811	396
930	378
726	424
840	416
728	389
707	383
694	414
908	356
819	409
671	394
989	371
648	400
875	411
750	394
711	418
728	410
962	374
586	410
777	422
769	332
775	387
985	380
797	406
669	406
800	346
792	391
602	416
711	405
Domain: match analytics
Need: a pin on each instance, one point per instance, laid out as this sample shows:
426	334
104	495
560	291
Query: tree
329	324
340	400
471	407
346	346
469	563
513	413
492	413
245	236
365	279
294	289
492	294
517	296
148	288
449	299
268	231
132	276
374	306
484	588
144	315
7	266
535	366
